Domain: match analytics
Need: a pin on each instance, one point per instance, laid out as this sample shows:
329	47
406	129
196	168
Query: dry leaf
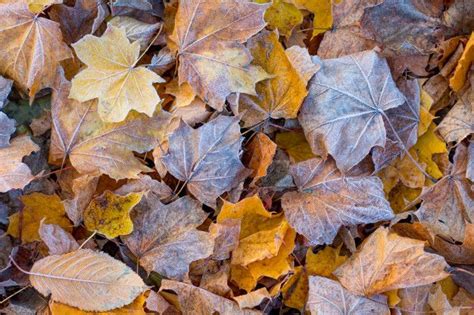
252	299
327	200
296	145
302	62
112	76
459	17
136	30
57	239
37	207
426	147
415	300
109	214
348	99
95	147
282	15
209	40
456	82
88	280
7	128
82	189
386	262
170	248
327	296
39	42
206	159
278	97
37	6
260	153
226	238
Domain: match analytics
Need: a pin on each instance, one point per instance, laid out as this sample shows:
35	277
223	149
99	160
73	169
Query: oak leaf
207	158
112	76
169	249
95	147
57	239
347	102
37	206
327	200
209	41
386	262
109	214
327	296
37	39
278	97
88	280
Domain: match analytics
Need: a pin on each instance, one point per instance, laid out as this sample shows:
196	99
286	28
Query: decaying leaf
95	147
88	280
170	248
114	78
109	214
7	128
386	262
260	153
327	296
37	40
37	206
136	30
212	58
343	119
82	190
327	200
57	239
207	159
301	60
280	96
226	238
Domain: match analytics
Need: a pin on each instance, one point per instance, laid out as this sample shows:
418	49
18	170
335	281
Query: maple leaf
260	153
112	76
303	62
37	6
7	127
95	147
278	97
212	58
226	238
327	296
415	299
81	189
456	82
449	204
57	239
386	262
136	30
73	279
322	10
207	158
37	207
426	147
343	113
109	214
32	48
170	249
296	145
328	200
282	15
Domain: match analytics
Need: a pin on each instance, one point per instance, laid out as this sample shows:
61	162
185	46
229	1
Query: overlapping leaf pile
237	156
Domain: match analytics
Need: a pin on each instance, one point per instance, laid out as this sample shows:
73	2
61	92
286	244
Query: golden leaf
283	16
261	151
460	73
112	76
296	145
427	145
36	6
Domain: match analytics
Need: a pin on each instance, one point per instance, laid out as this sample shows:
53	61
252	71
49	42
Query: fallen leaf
296	145
82	189
37	6
226	238
194	300
157	303
73	279
327	296
426	147
456	82
109	214
144	5
7	127
135	29
347	101
206	159
209	41
278	97
169	249
282	15
57	239
260	153
95	147
37	206
252	299
449	204
415	300
327	200
37	39
112	76
386	262
439	303
145	184
322	10
458	16
301	60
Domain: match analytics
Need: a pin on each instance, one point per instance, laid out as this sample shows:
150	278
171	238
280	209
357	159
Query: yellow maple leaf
322	10
456	82
296	145
112	76
109	214
36	6
425	116
400	196
428	145
37	207
283	16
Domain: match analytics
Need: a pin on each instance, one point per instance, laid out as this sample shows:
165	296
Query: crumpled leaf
260	153
327	296
207	158
83	18
282	15
13	173
57	239
37	206
194	300
169	249
459	122
386	262
457	253
37	39
449	204
327	200
112	76
343	113
95	147
73	279
109	214
209	40
278	97
456	82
